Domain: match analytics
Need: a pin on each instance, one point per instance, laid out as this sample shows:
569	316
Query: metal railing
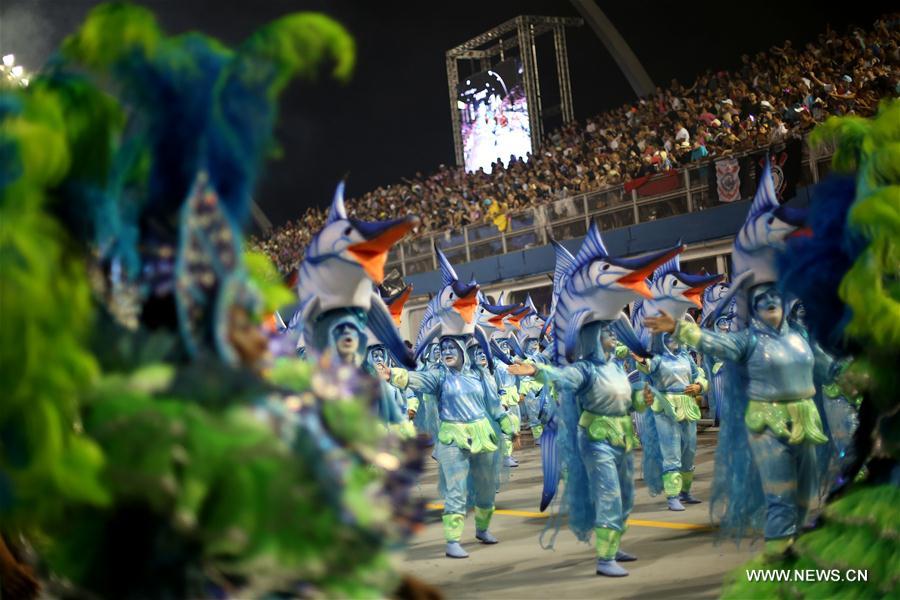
570	217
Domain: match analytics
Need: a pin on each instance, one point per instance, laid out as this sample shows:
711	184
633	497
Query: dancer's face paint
672	344
723	324
378	356
346	338
608	340
480	357
799	314
451	354
769	307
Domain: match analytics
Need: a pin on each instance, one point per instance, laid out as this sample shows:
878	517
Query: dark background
392	119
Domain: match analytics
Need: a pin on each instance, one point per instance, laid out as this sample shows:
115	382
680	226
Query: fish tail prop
577	499
550	464
737	501
651	455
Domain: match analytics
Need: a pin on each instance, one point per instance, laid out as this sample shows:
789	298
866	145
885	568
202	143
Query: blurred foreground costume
846	274
166	455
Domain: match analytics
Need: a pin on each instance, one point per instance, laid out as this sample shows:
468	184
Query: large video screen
494	116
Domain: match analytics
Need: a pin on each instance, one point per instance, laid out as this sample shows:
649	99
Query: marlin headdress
712	296
672	291
396	302
341	264
762	236
490	317
532	326
593	286
451	312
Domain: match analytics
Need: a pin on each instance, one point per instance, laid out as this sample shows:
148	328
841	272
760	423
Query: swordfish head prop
490	316
712	296
594	286
531	330
343	263
345	259
452	311
396	302
763	234
674	292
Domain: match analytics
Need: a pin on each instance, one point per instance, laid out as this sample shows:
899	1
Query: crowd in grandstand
770	96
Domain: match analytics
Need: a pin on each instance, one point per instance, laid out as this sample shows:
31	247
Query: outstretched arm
728	346
564	378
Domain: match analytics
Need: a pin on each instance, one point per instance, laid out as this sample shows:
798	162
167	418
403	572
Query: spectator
786	91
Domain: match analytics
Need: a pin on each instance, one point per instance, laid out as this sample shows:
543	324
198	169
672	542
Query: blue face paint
480	358
345	330
378	356
451	353
608	340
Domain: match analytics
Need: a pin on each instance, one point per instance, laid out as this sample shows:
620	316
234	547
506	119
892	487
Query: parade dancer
780	423
669	432
713	368
676	383
839	270
507	387
595	394
530	335
472	420
341	267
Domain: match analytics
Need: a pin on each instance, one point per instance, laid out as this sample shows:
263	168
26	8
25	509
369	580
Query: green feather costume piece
143	473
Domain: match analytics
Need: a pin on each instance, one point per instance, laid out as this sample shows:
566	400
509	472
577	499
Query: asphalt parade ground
678	556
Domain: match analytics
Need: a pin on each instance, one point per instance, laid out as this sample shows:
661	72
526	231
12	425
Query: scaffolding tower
517	34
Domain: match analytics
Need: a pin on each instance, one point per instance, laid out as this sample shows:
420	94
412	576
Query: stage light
9	60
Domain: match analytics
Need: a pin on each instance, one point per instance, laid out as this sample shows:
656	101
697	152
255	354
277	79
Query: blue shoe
674	504
622	556
610	568
454	550
686	498
510	462
485	536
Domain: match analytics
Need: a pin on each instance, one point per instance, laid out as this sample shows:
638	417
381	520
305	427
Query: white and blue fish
451	312
341	267
672	291
594	286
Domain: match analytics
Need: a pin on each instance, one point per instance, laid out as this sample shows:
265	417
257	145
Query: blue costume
468	444
669	432
782	419
675	415
605	435
530	335
766	475
595	432
472	420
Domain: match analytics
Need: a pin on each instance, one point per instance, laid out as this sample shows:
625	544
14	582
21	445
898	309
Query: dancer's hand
383	372
693	389
662	323
520	368
648	395
411	414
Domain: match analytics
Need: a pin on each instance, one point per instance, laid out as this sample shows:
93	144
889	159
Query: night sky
393	119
